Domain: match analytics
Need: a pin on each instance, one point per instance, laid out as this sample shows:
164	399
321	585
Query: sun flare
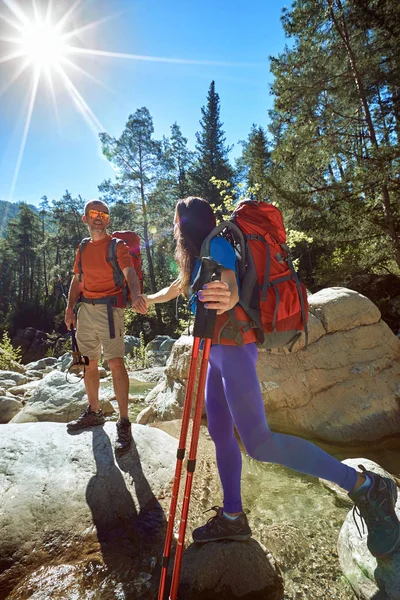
43	45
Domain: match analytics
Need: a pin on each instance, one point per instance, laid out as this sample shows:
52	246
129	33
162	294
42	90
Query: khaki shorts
93	332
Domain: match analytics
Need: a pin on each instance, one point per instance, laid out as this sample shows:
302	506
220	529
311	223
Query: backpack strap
299	291
82	246
239	240
118	275
110	302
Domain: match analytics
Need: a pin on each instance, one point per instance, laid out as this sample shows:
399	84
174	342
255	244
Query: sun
43	45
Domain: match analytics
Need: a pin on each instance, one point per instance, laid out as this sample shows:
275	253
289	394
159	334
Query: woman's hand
216	295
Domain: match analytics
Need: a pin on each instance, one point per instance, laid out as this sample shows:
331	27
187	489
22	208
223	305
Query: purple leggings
233	397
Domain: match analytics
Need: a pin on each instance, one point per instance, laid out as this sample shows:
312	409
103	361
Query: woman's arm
221	295
164	295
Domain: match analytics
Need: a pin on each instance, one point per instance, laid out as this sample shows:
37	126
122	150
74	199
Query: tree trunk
147	246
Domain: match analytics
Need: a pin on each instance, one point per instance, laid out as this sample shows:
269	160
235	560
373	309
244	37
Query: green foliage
8	354
335	127
212	154
255	164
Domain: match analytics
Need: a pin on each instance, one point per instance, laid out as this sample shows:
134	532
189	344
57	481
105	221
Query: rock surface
54	399
59	490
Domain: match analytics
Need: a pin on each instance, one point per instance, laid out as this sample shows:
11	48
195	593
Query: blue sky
64	153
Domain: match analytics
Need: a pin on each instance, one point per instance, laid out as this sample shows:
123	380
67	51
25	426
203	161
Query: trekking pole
203	329
180	455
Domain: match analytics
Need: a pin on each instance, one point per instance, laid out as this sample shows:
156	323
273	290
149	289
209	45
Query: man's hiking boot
124	435
88	418
375	505
220	527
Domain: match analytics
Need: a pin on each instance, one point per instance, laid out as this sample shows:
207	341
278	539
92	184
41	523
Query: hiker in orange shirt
100	320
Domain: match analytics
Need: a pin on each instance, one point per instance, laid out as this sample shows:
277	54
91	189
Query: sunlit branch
82	105
35	84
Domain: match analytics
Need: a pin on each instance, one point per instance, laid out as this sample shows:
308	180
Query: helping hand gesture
139	304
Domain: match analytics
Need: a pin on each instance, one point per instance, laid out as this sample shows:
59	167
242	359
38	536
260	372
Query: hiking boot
124	435
375	506
219	527
88	418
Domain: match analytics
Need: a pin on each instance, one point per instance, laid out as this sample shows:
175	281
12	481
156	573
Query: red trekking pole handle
203	329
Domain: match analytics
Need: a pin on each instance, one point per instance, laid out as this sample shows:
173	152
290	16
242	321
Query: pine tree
334	129
255	163
139	160
212	153
181	159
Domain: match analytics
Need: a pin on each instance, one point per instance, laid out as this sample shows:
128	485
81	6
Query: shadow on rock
129	522
229	570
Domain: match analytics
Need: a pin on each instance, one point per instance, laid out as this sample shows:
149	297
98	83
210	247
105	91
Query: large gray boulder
65	496
344	387
165	401
55	399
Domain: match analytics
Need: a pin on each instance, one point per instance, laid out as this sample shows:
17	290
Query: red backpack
273	307
132	240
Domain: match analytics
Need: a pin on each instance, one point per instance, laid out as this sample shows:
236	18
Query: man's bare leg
92	381
121	384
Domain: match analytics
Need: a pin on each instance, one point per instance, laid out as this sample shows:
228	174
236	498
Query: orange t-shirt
98	278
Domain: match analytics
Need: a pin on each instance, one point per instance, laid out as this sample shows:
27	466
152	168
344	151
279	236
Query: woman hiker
233	398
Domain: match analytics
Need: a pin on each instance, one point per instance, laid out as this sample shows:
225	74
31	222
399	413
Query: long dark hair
194	220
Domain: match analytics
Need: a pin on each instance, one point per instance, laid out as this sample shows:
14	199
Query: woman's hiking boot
376	506
124	435
220	527
88	418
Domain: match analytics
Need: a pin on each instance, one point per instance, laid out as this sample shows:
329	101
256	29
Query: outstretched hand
216	295
140	304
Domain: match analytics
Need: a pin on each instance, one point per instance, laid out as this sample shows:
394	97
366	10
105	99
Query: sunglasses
93	214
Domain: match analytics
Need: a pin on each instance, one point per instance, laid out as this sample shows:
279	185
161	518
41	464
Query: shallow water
137	389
